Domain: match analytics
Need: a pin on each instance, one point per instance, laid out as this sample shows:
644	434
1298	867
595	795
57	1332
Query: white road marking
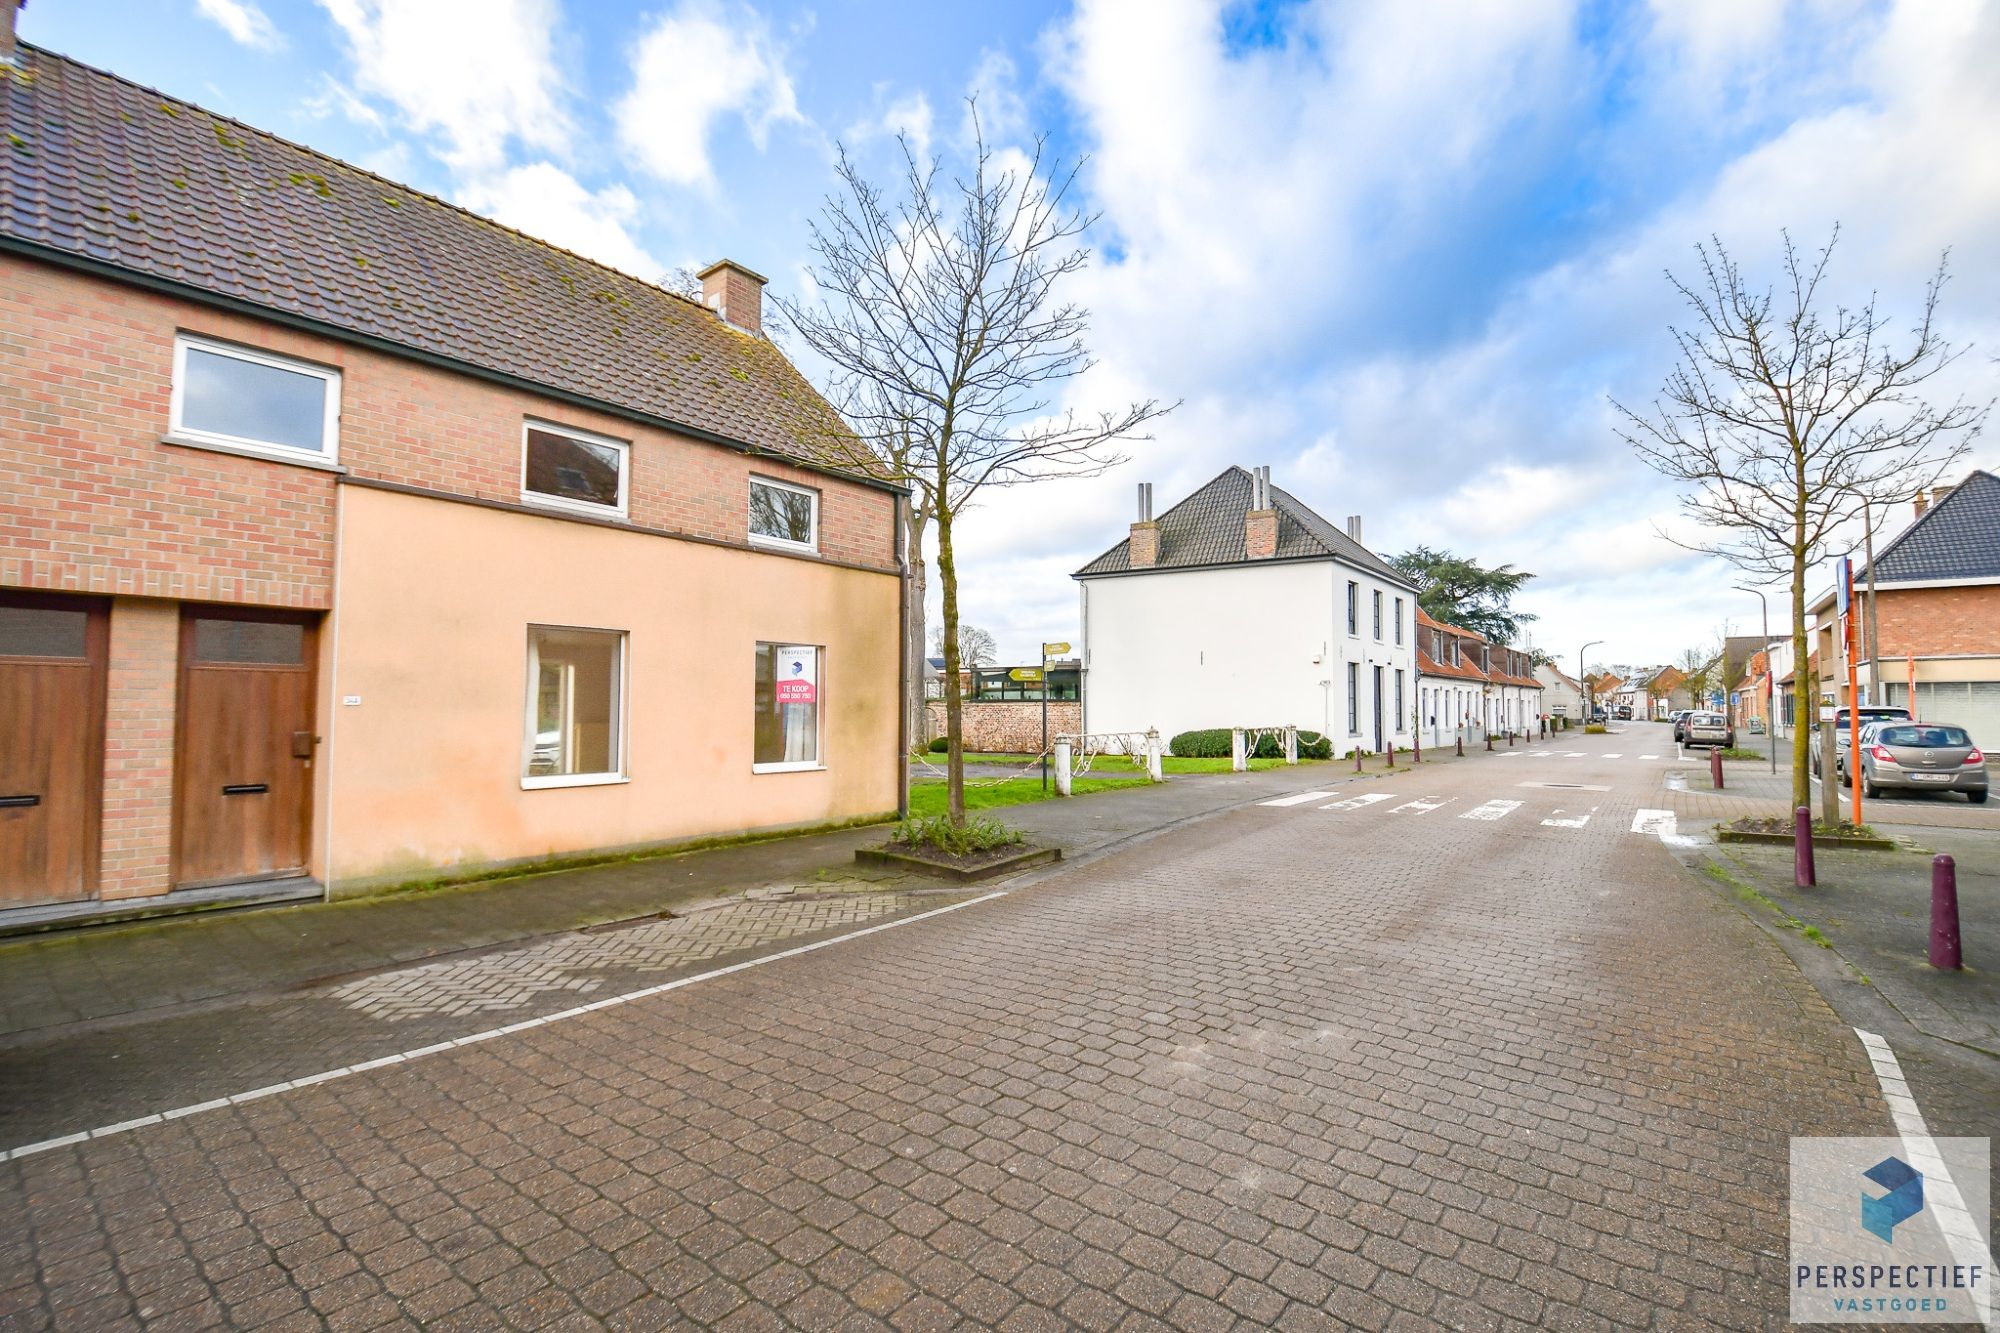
1298	798
238	1099
1574	754
1571	821
1492	810
1941	1193
1660	822
1421	806
1614	756
1359	802
1512	754
1649	756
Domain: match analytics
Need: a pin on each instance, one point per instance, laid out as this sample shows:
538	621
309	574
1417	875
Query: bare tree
1787	413
976	648
1698	668
941	314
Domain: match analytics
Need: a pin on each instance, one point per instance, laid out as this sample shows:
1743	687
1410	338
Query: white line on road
1614	756
1649	756
1569	821
1492	810
1298	798
1941	1194
1358	802
1660	822
237	1099
1421	806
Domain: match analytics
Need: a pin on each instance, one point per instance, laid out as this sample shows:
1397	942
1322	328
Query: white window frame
562	503
179	432
532	659
818	762
1375	603
783	543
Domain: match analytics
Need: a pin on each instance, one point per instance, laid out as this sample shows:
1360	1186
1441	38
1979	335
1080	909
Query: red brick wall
139	748
92	501
1932	621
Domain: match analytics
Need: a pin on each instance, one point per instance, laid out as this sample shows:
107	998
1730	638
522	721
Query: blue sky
1401	253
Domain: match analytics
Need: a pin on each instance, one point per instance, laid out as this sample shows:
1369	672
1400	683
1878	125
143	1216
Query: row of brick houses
1469	687
347	537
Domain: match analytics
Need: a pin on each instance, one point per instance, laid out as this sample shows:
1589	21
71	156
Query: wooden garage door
51	746
243	794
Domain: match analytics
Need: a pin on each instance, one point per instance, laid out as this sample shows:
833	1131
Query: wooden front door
52	652
245	746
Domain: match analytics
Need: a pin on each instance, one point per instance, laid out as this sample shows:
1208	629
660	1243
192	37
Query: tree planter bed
962	869
1760	831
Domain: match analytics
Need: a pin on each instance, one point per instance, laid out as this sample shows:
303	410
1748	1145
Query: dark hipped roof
114	174
1957	538
1206	529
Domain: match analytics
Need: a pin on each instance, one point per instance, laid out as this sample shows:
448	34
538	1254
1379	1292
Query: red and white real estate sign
798	675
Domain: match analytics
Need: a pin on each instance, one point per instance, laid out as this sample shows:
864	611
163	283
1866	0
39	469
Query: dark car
1708	729
1599	715
1679	718
1624	712
1922	756
1843	732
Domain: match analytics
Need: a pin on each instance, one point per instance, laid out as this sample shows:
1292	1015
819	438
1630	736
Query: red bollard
1461	747
1945	953
1489	740
1389	761
1715	768
1357	759
1804	875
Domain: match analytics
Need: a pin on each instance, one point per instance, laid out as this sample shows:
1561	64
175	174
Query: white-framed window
1378	615
566	468
1399	621
783	515
786	724
1353	697
1353	608
575	721
248	402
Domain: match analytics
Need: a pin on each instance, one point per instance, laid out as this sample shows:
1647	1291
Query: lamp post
1580	683
1770	682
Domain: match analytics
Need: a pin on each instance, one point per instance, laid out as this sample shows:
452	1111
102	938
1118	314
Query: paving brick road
1472	1054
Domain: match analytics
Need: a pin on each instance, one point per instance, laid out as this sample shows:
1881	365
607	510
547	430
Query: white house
1241	607
1561	696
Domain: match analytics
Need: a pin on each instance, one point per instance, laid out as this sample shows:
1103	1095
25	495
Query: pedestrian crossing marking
1298	798
1421	806
1660	822
1559	820
1614	756
1649	756
1359	802
1492	810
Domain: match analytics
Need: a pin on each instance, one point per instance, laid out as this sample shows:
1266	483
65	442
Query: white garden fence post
1291	745
1062	766
1154	771
1238	762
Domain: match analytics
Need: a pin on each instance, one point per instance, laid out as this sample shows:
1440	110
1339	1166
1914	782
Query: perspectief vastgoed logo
1884	1232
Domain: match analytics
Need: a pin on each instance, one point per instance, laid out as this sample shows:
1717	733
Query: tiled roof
1207	529
115	174
1957	538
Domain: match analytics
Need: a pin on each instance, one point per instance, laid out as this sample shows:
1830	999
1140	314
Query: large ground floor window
787	707
576	706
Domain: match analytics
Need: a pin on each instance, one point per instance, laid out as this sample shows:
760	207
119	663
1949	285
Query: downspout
902	657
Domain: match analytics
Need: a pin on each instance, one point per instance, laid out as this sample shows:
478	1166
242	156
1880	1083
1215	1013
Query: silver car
1922	756
1707	729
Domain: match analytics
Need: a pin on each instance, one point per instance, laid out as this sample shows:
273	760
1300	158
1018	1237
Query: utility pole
1581	684
1770	683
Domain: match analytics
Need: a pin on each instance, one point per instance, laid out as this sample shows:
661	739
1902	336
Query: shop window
576	707
787	708
570	469
783	515
235	399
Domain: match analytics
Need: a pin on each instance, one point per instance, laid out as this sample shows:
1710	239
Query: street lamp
1770	682
1580	683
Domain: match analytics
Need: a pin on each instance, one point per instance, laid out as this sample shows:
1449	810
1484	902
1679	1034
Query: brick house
1451	687
347	537
1937	613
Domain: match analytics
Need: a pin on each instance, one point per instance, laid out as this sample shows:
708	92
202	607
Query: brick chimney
1145	545
730	290
1923	503
10	14
1260	525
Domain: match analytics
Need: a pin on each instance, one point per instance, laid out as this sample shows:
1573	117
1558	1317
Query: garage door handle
17	802
245	788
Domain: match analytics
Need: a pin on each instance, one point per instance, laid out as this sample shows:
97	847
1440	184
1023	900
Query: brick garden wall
1006	727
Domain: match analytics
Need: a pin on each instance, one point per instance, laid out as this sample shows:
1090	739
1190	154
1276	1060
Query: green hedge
940	745
1213	743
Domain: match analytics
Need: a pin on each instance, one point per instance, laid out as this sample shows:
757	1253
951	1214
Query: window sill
788	768
574	780
780	544
557	505
252	451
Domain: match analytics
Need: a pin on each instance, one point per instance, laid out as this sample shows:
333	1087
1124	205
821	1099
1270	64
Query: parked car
1624	712
1708	729
1679	718
1922	756
1843	732
1599	715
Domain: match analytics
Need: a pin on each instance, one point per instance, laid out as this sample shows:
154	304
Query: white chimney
1354	528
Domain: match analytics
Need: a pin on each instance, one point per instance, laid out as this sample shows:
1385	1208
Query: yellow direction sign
1054	649
1029	674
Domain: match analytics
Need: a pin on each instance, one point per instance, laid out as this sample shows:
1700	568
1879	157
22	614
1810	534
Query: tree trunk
953	708
1805	702
913	630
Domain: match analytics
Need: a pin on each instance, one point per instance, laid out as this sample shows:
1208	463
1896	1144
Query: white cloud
697	64
336	98
245	23
544	200
907	116
478	75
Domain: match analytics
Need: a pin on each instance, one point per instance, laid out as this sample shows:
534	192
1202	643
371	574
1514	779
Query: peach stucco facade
428	680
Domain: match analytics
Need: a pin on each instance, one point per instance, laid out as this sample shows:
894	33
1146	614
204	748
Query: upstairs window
1378	615
1399	621
570	469
231	398
1353	608
783	515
